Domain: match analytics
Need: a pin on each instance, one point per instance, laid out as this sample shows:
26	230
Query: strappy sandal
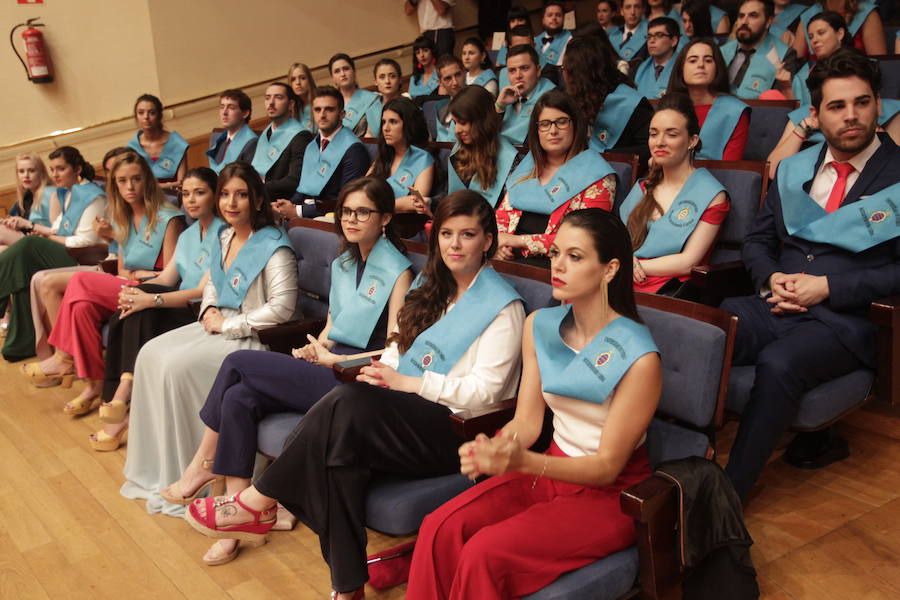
81	405
39	379
174	495
284	520
253	531
114	411
103	442
221	559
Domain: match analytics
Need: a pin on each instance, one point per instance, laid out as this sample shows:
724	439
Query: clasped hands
500	454
796	292
132	299
315	352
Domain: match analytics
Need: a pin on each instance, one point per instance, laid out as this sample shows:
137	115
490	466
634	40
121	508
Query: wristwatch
157	300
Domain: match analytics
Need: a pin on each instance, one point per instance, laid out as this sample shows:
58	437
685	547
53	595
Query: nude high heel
114	412
39	379
174	494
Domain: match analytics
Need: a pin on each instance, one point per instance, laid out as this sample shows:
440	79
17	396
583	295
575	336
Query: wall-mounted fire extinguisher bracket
36	61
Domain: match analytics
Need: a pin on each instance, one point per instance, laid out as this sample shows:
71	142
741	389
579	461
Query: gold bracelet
543	470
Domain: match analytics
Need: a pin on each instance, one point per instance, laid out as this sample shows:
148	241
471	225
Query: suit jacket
283	176
855	279
353	165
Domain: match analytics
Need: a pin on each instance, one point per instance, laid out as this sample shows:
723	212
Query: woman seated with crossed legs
675	213
456	347
369	281
596	367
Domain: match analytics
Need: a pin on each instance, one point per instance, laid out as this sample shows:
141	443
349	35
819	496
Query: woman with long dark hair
252	284
356	100
389	83
479	70
595	366
558	175
695	19
481	160
165	151
424	79
674	214
402	159
619	114
700	73
864	25
456	347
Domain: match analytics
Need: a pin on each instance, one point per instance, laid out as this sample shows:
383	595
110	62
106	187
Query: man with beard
516	101
824	246
551	43
755	57
277	154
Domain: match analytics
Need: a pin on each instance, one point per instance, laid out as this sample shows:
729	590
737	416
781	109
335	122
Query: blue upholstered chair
626	166
890	73
767	121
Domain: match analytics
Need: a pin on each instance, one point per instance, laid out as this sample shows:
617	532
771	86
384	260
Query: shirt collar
330	137
859	161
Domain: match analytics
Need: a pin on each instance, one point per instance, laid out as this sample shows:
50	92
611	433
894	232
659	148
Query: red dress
599	194
734	149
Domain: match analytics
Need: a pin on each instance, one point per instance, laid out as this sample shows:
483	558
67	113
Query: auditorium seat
767	121
890	76
429	110
626	166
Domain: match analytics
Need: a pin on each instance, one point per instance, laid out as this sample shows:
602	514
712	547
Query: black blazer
283	176
353	165
854	279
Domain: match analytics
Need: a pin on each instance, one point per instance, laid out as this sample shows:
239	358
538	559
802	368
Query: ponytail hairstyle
648	206
611	241
259	200
73	157
426	304
42	176
382	196
154	200
415	131
157	104
486	64
475	105
421	42
561	101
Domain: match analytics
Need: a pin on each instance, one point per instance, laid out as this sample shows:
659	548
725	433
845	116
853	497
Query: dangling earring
484	257
384	231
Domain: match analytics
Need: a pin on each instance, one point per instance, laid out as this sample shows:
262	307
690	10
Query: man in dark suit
818	264
334	158
278	157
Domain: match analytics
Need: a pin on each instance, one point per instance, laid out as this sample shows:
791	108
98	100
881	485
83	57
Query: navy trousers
793	354
252	384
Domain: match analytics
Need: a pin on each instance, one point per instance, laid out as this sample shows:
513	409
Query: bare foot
54	366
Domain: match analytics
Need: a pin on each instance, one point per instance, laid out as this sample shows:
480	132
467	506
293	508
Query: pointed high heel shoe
103	442
174	495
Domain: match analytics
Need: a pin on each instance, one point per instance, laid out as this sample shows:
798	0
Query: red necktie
837	192
325	145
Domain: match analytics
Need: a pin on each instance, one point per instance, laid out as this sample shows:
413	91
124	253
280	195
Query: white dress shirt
430	20
826	176
84	234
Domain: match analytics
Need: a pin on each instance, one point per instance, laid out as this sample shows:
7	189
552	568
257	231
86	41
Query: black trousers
354	433
793	354
127	336
444	41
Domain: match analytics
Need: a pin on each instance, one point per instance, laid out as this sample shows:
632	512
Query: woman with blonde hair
301	80
31	185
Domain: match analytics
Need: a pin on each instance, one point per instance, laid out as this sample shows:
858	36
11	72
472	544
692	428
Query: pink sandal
255	531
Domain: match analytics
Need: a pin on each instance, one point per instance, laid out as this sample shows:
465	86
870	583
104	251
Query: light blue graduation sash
716	15
484	78
268	151
645	78
443	133
855	227
555	48
633	45
305	119
798	86
613	117
356	309
318	166
720	122
668	234
569	180
501	56
373	116
440	346
760	74
502	78
506	156
419	88
192	255
515	123
244	135
40	210
232	285
853	26
784	19
359	103
889	109
592	374
414	162
142	247
83	195
166	166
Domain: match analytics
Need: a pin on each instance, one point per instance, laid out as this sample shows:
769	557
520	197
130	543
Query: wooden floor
65	532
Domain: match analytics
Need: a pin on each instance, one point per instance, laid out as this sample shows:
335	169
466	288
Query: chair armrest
652	504
110	265
885	314
346	371
282	338
721	281
89	255
487	420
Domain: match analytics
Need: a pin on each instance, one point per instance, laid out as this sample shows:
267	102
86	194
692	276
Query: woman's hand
41	230
491	456
103	228
384	376
316	353
422	205
284	208
638	272
17	223
132	300
213	320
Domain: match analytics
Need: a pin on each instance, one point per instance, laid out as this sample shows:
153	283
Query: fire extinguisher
38	66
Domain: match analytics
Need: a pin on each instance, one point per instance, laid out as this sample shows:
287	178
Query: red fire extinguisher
38	66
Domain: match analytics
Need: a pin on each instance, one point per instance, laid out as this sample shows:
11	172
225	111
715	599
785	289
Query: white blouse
84	234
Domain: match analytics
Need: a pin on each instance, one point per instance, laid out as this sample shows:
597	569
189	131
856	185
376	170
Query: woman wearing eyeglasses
558	175
369	281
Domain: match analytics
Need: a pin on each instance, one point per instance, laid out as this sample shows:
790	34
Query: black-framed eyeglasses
362	214
658	36
561	123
